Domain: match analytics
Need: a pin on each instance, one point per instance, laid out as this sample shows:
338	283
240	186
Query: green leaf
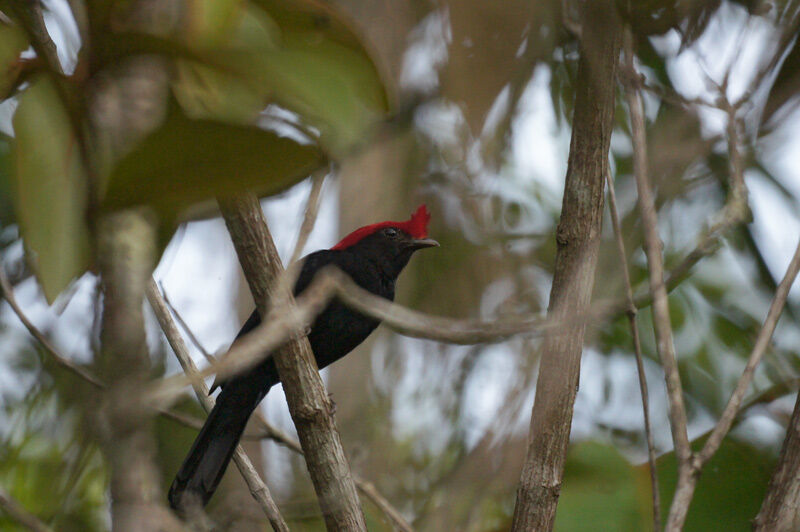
12	43
186	161
49	188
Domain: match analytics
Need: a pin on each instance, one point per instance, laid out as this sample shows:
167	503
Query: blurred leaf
186	161
12	43
730	490
601	490
49	464
6	199
49	187
302	55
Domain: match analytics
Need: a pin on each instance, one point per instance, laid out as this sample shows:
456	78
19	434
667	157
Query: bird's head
391	244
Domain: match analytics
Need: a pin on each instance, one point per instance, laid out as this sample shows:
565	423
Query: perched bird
373	256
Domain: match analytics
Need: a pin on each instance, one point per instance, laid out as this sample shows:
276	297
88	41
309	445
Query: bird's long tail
211	452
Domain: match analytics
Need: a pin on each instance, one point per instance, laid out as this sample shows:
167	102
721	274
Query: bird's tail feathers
210	454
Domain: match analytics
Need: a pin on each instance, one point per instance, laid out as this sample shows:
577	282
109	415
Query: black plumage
373	257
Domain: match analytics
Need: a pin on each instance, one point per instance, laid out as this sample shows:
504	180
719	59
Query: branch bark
578	238
661	320
309	405
780	511
126	253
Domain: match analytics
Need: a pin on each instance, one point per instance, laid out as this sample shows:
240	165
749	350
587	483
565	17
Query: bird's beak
423	243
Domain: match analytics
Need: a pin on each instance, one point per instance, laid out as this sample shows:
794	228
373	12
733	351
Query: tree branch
308	402
762	342
258	489
310	215
578	238
126	252
283	323
780	510
637	348
661	320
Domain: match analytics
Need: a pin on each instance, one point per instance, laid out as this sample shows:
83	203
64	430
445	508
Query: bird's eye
390	232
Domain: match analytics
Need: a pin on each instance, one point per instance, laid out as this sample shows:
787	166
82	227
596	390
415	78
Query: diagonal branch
310	215
258	489
762	342
19	514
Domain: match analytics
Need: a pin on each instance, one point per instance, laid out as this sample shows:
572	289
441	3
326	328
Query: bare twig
77	369
385	506
637	348
762	342
19	514
255	484
661	320
310	215
85	374
192	338
282	324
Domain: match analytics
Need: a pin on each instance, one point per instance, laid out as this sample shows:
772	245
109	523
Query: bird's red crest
416	226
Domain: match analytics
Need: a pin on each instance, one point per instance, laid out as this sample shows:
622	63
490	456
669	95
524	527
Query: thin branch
258	489
19	514
637	348
284	323
8	293
192	338
30	14
310	215
762	342
385	506
662	325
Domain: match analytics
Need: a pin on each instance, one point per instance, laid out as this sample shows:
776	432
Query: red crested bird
373	256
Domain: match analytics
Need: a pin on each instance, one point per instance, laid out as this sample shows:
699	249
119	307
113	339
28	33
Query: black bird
373	257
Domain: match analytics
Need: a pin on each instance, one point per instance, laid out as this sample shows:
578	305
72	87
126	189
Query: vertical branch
126	253
308	402
258	489
637	348
578	237
661	320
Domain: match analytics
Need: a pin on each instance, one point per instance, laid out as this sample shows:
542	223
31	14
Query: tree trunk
126	252
780	511
578	238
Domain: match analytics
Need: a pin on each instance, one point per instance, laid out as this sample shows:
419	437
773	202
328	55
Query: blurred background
483	99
